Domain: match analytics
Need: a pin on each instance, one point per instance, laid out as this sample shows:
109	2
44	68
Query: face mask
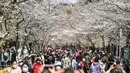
83	59
6	54
25	69
38	61
25	51
14	66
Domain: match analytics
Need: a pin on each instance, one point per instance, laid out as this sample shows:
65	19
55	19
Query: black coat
127	68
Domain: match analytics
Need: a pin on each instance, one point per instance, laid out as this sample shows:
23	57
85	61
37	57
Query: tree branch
126	10
20	20
22	1
14	1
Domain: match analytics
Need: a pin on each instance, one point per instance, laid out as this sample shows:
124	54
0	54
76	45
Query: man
28	61
79	57
13	55
41	56
25	52
5	57
67	62
127	67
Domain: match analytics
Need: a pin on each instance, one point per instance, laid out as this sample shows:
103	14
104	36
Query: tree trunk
103	42
17	37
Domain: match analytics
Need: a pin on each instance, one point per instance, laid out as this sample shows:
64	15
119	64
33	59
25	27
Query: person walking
37	66
74	64
96	67
25	68
127	67
15	68
67	62
85	65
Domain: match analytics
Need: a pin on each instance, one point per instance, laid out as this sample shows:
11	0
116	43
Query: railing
3	64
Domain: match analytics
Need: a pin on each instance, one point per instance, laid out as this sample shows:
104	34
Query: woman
74	64
37	66
85	65
14	68
96	66
25	68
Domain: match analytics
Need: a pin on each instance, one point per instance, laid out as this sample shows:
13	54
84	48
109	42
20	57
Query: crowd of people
62	60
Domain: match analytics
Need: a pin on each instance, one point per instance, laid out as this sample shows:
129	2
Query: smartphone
48	66
114	63
57	67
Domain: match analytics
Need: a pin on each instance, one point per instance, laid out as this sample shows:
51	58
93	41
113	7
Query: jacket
37	67
96	67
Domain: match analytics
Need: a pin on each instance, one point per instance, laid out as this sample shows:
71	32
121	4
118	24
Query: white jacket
74	63
66	63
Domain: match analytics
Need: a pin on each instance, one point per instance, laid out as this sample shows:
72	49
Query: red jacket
37	67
